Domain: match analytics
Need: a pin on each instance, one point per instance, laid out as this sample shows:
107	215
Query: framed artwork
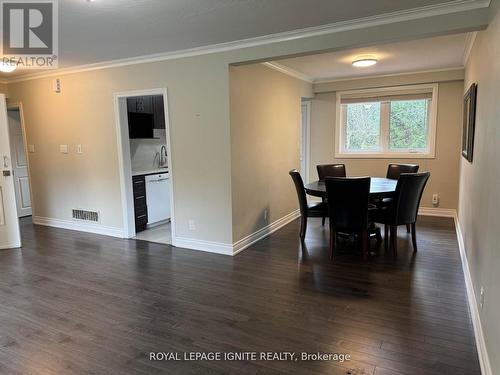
469	122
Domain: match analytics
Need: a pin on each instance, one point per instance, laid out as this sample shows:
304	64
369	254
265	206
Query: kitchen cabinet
140	203
140	104
159	112
151	199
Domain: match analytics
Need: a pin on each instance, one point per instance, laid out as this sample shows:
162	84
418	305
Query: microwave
141	125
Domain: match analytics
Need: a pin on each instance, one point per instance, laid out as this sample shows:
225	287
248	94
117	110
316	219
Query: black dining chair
394	171
348	202
330	170
403	209
317	209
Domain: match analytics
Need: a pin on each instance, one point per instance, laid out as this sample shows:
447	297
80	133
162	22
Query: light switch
79	149
63	149
56	85
31	149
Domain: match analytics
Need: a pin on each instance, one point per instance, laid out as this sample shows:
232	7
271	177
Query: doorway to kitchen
146	171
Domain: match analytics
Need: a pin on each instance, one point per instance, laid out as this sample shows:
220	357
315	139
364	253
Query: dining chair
329	170
403	209
348	202
395	170
316	209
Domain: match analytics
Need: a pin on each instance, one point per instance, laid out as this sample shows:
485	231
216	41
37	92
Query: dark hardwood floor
76	303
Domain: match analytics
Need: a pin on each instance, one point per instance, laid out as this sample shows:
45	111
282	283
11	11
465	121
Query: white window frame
430	153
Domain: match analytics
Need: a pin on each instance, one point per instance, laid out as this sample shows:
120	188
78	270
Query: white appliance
158	197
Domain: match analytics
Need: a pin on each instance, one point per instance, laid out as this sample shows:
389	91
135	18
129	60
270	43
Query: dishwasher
158	197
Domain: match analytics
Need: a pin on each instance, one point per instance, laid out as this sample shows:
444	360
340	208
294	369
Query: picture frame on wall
469	122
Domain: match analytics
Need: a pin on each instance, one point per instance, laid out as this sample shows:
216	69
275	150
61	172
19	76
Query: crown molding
354	78
288	71
469	43
360	23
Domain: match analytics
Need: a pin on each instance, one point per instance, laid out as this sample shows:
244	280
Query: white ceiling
111	29
416	55
104	30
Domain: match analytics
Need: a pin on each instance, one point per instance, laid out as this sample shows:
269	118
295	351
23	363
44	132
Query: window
390	122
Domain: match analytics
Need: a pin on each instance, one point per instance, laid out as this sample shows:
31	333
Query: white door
19	164
304	141
9	222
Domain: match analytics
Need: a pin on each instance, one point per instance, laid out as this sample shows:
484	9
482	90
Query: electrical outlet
31	148
435	199
191	225
481	297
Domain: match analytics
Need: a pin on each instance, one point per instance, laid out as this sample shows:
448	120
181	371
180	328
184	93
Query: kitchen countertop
151	171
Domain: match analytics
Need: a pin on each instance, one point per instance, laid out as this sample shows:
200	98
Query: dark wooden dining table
379	187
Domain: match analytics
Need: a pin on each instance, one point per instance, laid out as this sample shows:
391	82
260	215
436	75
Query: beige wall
444	167
84	114
4	89
199	114
265	136
479	204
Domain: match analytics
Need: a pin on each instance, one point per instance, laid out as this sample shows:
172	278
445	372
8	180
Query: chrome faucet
163	156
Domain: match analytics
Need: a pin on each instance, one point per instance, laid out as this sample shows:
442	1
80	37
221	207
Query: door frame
10	206
19	106
124	158
305	143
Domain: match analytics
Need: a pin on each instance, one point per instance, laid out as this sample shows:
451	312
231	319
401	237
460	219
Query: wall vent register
84	215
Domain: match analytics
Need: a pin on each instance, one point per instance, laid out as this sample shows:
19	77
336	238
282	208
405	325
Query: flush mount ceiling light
364	61
6	67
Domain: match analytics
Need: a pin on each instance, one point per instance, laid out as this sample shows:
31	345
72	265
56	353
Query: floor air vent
84	215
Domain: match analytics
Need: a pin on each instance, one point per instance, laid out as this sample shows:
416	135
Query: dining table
380	187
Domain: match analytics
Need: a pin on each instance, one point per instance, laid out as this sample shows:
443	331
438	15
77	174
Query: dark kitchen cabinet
140	104
159	112
140	206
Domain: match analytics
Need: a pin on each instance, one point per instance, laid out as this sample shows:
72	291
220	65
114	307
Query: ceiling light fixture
6	67
364	61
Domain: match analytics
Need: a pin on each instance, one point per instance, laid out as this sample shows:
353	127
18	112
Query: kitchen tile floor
160	234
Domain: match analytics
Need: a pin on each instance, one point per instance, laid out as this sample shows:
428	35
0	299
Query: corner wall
265	145
479	203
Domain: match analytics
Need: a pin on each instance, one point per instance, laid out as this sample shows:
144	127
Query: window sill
378	155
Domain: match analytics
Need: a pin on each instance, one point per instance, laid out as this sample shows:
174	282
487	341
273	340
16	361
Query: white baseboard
484	359
228	249
201	245
264	232
435	211
79	226
9	247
